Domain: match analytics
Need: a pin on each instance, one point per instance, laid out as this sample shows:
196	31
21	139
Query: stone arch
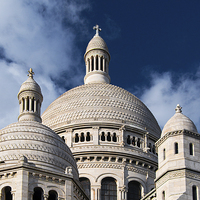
59	191
40	185
89	176
6	193
38	193
142	183
112	175
86	184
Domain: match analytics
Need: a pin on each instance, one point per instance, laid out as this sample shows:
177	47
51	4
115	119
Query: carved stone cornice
178	132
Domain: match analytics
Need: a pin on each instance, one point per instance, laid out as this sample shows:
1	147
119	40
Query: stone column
26	103
99	63
96	192
68	190
35	105
30	104
104	64
45	196
95	135
69	137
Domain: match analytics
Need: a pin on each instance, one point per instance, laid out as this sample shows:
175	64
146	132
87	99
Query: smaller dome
178	122
97	42
30	85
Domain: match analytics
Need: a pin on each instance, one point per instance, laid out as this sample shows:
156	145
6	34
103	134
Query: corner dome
38	144
97	42
179	122
99	103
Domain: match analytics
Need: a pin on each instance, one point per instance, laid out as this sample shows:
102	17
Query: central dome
96	103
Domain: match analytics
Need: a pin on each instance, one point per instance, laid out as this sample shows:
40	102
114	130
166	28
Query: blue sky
154	47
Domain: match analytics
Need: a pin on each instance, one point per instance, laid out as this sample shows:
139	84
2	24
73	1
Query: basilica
96	141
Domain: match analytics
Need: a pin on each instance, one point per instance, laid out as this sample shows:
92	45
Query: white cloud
166	91
33	35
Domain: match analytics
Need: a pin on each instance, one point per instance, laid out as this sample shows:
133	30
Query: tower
178	174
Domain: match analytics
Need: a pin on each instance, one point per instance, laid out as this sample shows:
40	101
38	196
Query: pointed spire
178	109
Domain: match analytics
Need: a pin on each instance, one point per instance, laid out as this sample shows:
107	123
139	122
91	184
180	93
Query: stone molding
178	132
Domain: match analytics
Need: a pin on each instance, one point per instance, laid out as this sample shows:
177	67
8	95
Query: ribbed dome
99	102
179	122
97	42
30	85
39	144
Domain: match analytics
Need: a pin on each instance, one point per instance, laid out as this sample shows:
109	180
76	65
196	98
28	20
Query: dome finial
31	73
178	109
97	29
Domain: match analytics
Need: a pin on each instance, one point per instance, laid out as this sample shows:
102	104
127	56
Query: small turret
97	60
30	100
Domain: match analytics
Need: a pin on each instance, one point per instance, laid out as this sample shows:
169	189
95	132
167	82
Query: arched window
134	190
92	58
97	63
191	146
82	137
108	137
53	195
88	136
194	192
128	140
88	65
102	136
154	149
6	193
101	66
23	104
163	195
138	142
76	138
85	182
133	141
176	148
63	138
114	139
164	154
38	193
32	104
108	189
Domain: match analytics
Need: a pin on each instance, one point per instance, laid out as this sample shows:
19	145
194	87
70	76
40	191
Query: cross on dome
97	29
178	109
31	73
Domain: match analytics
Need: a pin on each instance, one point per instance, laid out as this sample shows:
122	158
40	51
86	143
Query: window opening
85	182
27	103
108	189
101	67
97	63
7	195
176	148
138	142
76	138
108	137
102	136
53	195
92	63
133	141
128	140
191	146
154	149
163	195
114	137
38	193
88	136
194	192
149	147
134	190
82	137
164	154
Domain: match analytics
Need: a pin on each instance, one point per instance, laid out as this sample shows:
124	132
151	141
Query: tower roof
179	122
97	42
30	84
